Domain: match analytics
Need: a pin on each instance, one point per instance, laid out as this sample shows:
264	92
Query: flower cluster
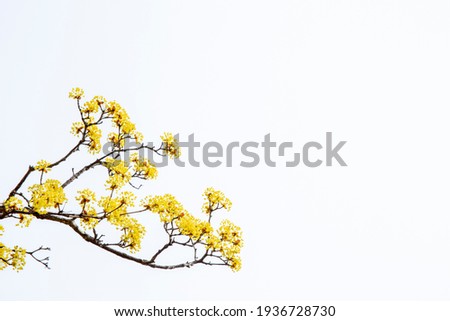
77	128
133	233
230	236
119	173
217	245
94	134
143	168
14	257
88	128
215	200
226	240
13	204
48	195
121	120
76	93
117	140
43	166
193	227
93	106
166	206
24	220
86	198
171	146
116	211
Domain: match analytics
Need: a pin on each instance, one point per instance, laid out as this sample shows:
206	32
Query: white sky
375	73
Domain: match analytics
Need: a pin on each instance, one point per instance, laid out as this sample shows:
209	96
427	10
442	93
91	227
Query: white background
375	73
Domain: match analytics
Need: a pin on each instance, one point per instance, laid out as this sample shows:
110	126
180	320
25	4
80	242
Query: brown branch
165	247
90	239
43	261
81	171
24	178
73	150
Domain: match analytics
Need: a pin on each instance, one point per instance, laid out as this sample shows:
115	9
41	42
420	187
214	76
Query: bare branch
43	261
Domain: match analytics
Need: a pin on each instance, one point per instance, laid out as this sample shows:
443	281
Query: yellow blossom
119	174
192	226
14	257
171	147
231	243
133	233
143	167
90	107
77	128
236	263
43	166
166	206
112	107
76	93
90	120
111	205
18	258
48	195
212	242
93	105
121	120
116	213
127	198
13	204
89	218
100	100
137	136
215	199
85	196
95	134
128	127
24	220
116	139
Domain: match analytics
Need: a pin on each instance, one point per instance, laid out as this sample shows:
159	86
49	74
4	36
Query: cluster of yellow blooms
215	200
143	167
116	209
119	173
86	198
76	93
43	166
227	239
15	204
166	206
193	227
77	128
122	121
231	242
116	139
171	146
14	257
95	135
48	195
93	106
112	109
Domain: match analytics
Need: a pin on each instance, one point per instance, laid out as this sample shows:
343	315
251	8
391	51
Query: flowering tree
45	198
